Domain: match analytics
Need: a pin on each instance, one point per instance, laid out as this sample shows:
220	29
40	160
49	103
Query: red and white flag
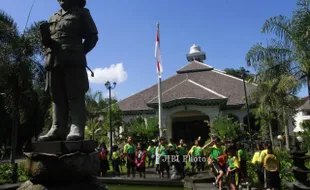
158	54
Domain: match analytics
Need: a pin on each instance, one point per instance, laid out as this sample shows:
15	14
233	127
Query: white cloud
114	73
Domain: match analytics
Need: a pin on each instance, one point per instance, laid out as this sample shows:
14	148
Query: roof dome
195	49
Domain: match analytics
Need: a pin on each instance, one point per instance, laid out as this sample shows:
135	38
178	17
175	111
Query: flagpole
159	96
160	107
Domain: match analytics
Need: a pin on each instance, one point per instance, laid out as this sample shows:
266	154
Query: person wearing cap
68	36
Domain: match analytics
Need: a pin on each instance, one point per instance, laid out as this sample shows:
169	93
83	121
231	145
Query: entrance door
190	130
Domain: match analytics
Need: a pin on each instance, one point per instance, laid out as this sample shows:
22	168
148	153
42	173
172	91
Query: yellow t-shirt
256	157
263	154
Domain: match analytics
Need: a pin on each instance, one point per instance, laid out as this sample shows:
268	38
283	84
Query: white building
192	99
303	114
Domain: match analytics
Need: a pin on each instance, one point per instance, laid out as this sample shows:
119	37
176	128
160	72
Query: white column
169	127
121	130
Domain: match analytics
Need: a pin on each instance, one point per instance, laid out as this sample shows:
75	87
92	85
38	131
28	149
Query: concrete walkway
149	180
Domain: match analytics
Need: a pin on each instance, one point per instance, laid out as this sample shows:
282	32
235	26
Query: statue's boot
78	120
59	127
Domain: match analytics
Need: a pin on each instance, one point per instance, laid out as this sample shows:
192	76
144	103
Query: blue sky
225	30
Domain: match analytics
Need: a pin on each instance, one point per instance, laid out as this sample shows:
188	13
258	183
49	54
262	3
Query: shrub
6	171
226	128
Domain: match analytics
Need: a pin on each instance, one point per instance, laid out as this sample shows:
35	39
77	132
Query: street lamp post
244	74
110	87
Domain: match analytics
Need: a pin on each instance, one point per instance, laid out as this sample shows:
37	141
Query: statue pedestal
62	165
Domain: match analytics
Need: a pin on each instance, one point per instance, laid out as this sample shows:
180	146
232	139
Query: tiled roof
194	66
187	89
212	84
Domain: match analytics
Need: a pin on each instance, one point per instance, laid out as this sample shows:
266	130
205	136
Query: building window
306	112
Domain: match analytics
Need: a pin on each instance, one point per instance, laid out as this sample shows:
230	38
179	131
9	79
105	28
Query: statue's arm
90	32
90	43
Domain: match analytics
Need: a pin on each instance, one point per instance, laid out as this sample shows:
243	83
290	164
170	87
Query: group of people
229	160
133	156
267	165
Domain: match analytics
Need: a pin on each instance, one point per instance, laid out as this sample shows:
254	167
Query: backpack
271	163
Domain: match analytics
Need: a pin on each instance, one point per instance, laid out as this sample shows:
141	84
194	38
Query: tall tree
21	78
292	41
239	73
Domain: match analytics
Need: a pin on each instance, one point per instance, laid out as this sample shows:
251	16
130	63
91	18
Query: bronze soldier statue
68	36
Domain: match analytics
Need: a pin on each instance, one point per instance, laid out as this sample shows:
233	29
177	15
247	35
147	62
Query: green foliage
142	130
117	122
286	164
305	125
6	171
225	128
98	117
239	73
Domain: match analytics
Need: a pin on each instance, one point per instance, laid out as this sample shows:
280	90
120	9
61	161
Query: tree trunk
270	134
285	125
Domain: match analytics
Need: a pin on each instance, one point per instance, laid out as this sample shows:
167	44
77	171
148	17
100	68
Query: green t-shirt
182	150
116	155
216	152
162	150
129	149
151	150
241	155
197	151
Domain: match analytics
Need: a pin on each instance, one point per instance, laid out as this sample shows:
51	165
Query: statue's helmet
81	3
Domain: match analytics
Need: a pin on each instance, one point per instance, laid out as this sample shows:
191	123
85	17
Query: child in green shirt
196	156
241	154
218	159
233	166
163	163
130	153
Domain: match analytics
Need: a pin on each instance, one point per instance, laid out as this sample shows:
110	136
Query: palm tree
292	43
21	81
278	82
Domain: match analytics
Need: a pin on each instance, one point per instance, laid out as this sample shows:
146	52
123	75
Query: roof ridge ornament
196	54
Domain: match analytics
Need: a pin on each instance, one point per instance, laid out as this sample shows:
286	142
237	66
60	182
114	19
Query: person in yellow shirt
271	170
256	160
262	157
151	154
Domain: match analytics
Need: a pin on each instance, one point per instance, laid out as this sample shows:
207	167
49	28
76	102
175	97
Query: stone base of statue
62	165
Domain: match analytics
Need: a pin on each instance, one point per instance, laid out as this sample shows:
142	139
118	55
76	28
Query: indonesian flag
158	54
